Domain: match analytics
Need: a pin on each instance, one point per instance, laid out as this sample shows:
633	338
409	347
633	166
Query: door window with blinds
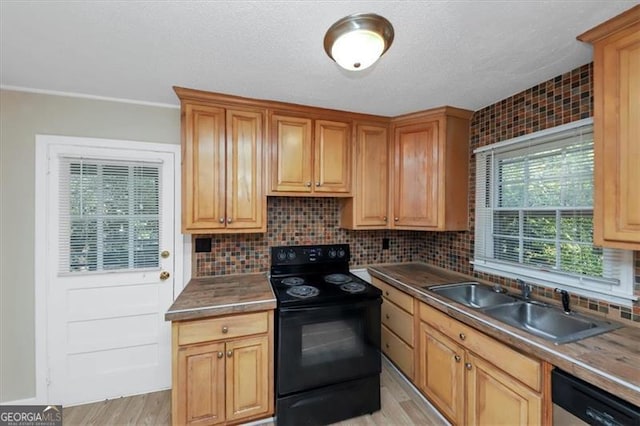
534	213
110	215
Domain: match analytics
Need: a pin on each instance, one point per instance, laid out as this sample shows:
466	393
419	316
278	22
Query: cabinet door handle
317	183
384	218
462	336
386	345
387	316
457	358
225	329
228	220
396	219
220	355
467	365
386	293
229	354
308	184
221	220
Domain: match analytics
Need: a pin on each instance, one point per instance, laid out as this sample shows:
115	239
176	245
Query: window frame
619	291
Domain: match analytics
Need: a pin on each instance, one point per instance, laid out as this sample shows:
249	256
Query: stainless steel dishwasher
576	402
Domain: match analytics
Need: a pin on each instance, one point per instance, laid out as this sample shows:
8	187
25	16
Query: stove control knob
281	255
332	253
341	253
291	254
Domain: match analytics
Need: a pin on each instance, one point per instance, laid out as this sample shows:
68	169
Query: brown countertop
221	295
610	361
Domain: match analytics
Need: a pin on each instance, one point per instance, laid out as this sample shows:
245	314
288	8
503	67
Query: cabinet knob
225	329
228	220
386	293
317	183
386	345
387	316
462	336
220	355
384	218
467	365
308	184
221	220
396	219
457	358
229	354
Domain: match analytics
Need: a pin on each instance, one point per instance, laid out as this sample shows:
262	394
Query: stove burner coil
337	278
293	281
353	287
303	291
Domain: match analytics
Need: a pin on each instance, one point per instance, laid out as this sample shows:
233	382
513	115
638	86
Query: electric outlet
385	244
203	245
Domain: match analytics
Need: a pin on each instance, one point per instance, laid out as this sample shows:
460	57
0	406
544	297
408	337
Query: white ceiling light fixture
356	41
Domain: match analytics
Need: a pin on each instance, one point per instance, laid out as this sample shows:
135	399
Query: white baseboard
260	422
26	401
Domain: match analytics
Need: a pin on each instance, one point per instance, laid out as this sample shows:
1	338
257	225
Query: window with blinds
534	213
110	215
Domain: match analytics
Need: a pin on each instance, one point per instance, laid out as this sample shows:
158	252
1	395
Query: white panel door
106	334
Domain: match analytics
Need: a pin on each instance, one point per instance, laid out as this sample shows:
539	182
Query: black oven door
328	344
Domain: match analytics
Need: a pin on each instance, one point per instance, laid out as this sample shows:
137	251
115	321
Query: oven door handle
351	306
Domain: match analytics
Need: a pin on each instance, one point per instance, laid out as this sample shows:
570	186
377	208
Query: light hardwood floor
401	405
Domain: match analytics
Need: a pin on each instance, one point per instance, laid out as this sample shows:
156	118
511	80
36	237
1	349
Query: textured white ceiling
467	54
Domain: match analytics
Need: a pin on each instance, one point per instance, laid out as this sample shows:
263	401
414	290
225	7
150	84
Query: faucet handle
566	300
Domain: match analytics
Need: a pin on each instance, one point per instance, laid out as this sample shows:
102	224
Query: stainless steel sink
472	294
546	321
549	322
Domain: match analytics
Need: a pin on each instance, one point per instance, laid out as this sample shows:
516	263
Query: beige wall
22	116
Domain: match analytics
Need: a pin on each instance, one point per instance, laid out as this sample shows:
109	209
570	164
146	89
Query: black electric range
316	275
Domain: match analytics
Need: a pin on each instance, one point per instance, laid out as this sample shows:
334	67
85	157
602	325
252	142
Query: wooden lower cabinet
223	381
496	398
473	379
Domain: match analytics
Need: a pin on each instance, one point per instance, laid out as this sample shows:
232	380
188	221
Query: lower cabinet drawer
225	327
398	321
397	351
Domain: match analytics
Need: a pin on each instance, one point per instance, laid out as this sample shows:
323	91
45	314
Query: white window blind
534	214
110	215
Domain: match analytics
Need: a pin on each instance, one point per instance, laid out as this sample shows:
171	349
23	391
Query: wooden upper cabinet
222	169
309	156
430	170
203	168
290	154
332	157
245	200
369	207
616	82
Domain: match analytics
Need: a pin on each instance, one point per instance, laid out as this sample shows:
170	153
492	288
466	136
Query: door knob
164	275
164	254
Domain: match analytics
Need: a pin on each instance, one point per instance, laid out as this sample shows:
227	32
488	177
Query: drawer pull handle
462	336
220	355
229	354
457	358
225	329
468	365
387	315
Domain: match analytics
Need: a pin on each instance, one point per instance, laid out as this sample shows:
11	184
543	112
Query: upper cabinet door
203	168
332	157
372	176
290	154
417	173
245	186
617	130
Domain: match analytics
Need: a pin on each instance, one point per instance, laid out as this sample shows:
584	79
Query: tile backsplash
298	221
561	100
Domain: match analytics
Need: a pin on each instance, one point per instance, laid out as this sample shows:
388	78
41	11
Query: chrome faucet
565	300
525	288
